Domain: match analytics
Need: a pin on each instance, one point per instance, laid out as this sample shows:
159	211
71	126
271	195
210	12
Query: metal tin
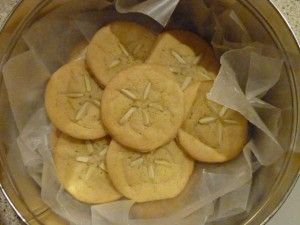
263	21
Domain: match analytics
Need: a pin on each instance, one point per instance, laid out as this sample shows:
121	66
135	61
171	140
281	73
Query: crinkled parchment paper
248	71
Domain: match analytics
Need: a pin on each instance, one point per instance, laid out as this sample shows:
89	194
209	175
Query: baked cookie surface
81	168
189	57
73	100
118	46
211	132
143	177
142	107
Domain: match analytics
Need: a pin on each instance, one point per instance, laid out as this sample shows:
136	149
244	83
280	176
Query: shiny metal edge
13	41
285	197
287	24
7	173
292	185
10	14
289	191
12	205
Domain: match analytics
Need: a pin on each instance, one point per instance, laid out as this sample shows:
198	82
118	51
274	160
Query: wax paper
215	191
161	11
248	74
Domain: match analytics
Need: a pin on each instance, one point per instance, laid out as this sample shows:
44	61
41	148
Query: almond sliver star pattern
94	159
150	163
219	118
187	67
82	111
145	98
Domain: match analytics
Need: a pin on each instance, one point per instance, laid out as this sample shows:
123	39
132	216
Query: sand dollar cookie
143	177
142	107
81	168
189	57
211	132
73	102
117	46
190	95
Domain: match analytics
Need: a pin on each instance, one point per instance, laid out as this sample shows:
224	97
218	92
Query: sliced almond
207	120
151	172
223	111
156	106
220	133
197	59
147	90
103	151
172	69
114	63
90	147
103	166
186	83
83	159
146	118
74	95
95	159
128	93
230	121
127	115
137	162
203	72
89	172
87	82
212	106
96	102
178	57
123	49
81	112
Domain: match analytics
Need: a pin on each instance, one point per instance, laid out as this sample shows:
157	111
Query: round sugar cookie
53	137
190	95
142	107
143	177
211	132
73	102
81	168
188	56
118	46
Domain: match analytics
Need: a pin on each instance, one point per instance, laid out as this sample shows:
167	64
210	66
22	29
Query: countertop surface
289	212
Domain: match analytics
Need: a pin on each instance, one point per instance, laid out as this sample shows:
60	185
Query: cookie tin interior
264	24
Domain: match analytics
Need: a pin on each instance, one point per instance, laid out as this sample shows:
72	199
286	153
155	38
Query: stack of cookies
132	115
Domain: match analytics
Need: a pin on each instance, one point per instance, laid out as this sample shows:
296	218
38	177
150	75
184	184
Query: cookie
118	46
53	137
143	177
189	57
190	95
81	168
211	132
142	107
73	100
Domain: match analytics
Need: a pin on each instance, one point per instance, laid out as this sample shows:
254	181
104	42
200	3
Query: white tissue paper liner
247	75
89	22
211	192
161	11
